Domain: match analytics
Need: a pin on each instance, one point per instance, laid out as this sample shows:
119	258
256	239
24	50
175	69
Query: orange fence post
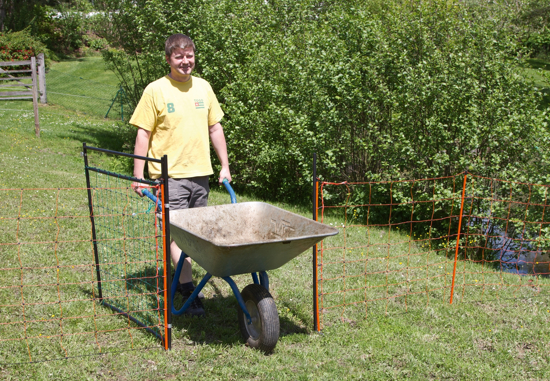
316	325
165	272
458	235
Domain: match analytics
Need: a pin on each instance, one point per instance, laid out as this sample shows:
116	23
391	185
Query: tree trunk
2	15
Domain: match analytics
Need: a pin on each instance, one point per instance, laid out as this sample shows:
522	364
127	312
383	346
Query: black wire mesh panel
50	307
129	246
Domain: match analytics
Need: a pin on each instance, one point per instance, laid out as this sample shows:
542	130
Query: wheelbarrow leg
240	300
176	278
174	286
192	297
264	279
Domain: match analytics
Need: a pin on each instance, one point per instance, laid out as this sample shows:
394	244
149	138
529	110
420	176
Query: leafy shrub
59	24
96	43
19	46
539	42
64	26
21	14
381	90
531	24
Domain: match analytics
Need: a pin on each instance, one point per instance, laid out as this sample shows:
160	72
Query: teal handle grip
152	197
230	190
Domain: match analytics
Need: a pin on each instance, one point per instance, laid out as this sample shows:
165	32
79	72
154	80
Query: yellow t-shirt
178	115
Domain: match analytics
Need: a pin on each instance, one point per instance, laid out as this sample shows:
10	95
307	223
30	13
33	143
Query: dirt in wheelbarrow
223	237
244	223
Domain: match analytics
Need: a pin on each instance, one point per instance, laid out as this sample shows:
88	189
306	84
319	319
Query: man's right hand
137	188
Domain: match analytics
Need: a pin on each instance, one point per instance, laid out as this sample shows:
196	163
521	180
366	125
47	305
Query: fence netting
402	245
129	243
88	97
50	299
398	242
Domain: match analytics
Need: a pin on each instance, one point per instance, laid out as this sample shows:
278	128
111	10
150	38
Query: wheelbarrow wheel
263	333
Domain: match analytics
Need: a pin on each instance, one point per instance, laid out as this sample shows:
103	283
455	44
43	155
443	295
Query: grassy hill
481	337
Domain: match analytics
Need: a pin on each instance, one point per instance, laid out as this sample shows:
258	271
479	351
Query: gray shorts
188	193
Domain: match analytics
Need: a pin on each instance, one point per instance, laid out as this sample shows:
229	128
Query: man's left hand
137	188
224	174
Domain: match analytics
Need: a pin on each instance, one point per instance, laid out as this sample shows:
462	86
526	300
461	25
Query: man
178	115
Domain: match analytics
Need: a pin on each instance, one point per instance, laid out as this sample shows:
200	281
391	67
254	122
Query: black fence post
92	220
167	254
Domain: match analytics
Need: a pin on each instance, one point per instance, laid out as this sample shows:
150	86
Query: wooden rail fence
35	90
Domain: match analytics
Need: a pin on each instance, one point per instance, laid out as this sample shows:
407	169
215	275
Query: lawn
489	336
83	85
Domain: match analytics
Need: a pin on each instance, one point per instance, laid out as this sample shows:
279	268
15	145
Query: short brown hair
177	40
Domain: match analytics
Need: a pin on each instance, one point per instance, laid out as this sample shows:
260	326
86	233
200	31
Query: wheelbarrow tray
243	238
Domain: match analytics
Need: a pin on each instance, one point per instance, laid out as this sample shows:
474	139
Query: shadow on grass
537	63
219	326
118	138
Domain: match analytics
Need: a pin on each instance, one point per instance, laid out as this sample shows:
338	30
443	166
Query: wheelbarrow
249	237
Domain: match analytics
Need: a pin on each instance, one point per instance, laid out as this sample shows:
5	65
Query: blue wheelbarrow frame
231	239
263	280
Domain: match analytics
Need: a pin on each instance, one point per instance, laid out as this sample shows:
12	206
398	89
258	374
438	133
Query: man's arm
218	142
140	149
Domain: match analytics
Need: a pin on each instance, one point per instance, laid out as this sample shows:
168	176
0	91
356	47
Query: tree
16	15
381	90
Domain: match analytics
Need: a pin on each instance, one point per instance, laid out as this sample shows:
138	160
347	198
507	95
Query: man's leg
186	275
187	193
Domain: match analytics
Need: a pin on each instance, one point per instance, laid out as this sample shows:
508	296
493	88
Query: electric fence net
56	301
129	243
89	96
406	244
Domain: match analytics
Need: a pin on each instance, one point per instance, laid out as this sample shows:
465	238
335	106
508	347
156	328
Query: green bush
539	42
531	24
19	46
60	24
63	27
96	43
380	90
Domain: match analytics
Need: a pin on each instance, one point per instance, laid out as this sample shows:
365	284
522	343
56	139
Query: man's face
182	63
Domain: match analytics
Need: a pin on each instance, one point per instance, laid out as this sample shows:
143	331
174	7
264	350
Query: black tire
263	333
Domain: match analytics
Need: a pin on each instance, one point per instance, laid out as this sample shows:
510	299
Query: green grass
487	333
84	68
83	85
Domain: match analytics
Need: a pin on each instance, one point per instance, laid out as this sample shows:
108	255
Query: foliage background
65	27
19	46
381	90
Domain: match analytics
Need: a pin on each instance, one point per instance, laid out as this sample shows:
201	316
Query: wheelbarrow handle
152	197
230	190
